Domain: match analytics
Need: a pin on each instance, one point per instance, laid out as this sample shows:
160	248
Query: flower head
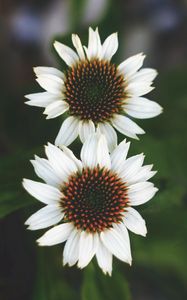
93	197
95	92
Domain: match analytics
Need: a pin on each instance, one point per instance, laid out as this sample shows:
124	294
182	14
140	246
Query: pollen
94	199
94	90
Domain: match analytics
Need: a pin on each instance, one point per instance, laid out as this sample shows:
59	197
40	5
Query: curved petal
70	154
61	163
45	217
51	83
145	74
85	129
118	156
143	174
41	191
66	53
94	44
95	151
130	167
134	222
44	170
56	235
110	46
142	108
114	241
104	258
56	109
87	248
138	88
127	126
71	249
141	192
41	99
131	65
48	70
78	45
68	132
110	134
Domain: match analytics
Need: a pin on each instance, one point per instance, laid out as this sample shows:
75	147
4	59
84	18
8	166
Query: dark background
27	30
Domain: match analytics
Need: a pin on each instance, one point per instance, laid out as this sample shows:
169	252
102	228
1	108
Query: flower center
94	90
94	199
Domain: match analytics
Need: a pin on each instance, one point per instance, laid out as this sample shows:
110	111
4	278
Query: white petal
130	167
138	88
110	46
66	53
143	174
41	99
141	192
104	258
127	126
110	134
44	170
142	108
71	249
103	157
78	45
45	217
114	241
56	109
61	163
87	248
131	65
51	84
41	191
48	70
56	235
95	151
68	132
134	222
85	129
70	154
94	45
118	156
145	74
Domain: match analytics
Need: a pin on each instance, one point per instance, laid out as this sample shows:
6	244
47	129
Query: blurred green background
27	29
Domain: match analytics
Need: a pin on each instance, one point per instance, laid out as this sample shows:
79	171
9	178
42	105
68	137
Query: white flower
93	197
95	92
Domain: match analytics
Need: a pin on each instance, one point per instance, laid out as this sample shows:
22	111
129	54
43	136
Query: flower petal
141	192
110	46
41	191
134	222
145	74
104	258
66	53
71	249
61	163
87	248
143	174
95	151
127	126
48	70
138	88
51	83
45	217
56	109
114	241
118	156
85	129
41	99
44	170
142	108
56	235
131	65
70	154
130	167
68	132
94	44
110	134
78	45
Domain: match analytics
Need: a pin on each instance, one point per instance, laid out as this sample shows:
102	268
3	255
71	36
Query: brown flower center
94	90
94	199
